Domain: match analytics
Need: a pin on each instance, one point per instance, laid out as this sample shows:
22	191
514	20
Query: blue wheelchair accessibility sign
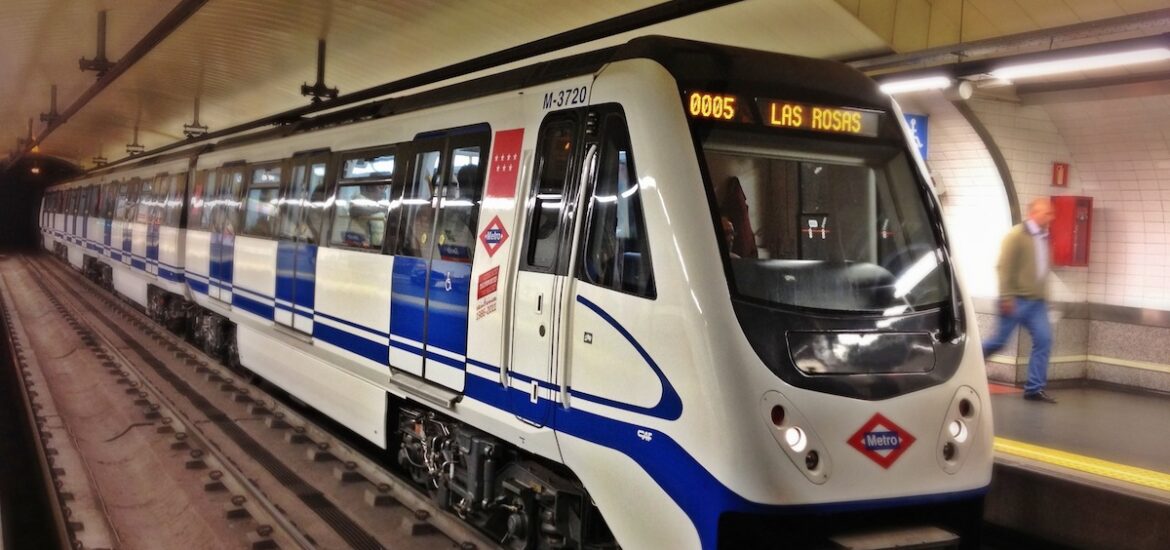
918	128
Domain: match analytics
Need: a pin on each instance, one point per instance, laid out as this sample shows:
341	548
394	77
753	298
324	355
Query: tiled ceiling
248	58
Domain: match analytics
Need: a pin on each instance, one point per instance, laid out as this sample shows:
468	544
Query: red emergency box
1070	231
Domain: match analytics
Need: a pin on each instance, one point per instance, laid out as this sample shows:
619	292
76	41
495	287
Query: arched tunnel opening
22	184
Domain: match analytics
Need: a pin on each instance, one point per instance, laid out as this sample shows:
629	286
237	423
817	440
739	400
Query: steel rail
193	430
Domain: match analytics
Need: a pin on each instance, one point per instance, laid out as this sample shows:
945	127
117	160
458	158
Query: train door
432	274
83	213
544	267
109	207
224	219
128	208
154	217
302	214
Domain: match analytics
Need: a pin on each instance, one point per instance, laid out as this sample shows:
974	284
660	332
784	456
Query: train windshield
821	223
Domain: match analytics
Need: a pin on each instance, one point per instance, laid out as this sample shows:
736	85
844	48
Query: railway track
274	477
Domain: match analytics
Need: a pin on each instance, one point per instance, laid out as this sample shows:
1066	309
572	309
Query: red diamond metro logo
493	236
881	440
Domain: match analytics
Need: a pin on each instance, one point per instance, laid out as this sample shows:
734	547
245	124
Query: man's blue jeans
1033	314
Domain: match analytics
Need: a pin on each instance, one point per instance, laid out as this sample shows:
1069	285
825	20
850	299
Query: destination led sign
714	106
820	118
780	113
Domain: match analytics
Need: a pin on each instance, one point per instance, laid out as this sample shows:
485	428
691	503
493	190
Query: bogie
515	497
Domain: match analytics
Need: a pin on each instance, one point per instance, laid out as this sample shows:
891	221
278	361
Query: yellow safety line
1089	465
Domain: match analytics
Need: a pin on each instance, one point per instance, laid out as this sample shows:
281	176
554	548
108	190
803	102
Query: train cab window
459	209
616	250
303	213
418	209
824	224
546	200
261	202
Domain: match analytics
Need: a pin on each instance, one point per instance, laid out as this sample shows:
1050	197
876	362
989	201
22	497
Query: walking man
1024	261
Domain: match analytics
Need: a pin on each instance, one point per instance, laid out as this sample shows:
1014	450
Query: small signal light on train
778	415
966	408
949	451
812	460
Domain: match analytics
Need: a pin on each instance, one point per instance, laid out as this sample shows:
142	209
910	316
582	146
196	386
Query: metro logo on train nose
881	440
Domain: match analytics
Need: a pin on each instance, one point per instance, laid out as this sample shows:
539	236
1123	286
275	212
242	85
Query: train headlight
958	429
796	437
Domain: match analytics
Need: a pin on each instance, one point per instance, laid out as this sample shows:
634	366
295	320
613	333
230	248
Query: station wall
1119	153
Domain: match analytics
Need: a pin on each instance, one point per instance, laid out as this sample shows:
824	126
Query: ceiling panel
248	58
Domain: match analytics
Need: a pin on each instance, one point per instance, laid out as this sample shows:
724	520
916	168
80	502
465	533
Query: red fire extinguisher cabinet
1070	231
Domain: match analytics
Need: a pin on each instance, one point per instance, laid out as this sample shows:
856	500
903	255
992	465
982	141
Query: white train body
600	320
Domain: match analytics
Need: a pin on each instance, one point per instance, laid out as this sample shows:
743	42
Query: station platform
1092	471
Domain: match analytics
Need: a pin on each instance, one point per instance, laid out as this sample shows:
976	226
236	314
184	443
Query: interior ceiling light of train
188	64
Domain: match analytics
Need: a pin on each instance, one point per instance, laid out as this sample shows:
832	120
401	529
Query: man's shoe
1040	396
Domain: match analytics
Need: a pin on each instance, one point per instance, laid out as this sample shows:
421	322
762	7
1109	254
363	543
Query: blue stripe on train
407	297
369	349
254	307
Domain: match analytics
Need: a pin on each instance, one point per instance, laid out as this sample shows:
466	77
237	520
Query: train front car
807	318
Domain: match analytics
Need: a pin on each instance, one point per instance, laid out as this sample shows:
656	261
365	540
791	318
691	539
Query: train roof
712	67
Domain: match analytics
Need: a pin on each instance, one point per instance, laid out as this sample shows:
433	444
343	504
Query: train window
173	203
199	199
616	251
459	212
145	209
418	210
95	205
261	202
824	224
110	200
225	211
546	201
123	206
303	213
359	215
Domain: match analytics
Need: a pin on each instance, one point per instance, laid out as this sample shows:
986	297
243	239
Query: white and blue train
663	295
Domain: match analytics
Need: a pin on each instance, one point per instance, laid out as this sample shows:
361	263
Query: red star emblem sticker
881	440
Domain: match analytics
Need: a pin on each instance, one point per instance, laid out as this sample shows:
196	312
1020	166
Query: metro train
667	294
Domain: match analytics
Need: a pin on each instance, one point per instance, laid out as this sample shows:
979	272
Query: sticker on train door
505	164
881	440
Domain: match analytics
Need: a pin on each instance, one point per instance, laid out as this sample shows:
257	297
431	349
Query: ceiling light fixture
1081	64
921	84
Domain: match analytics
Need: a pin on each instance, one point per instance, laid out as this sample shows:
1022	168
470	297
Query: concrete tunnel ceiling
246	59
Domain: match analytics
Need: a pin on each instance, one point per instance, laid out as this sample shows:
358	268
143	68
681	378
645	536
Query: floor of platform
1106	424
